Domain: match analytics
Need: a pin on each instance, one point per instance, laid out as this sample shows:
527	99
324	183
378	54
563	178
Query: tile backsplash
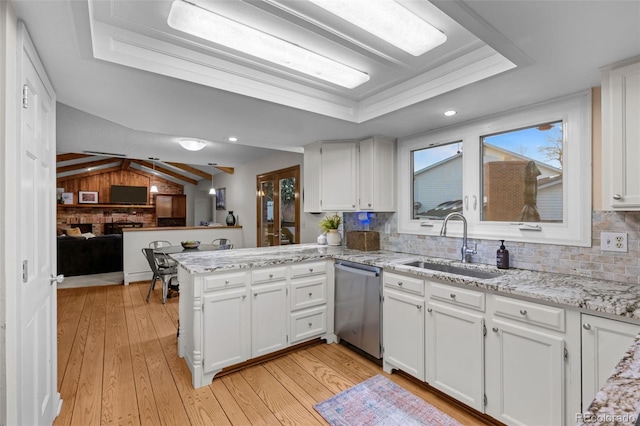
572	260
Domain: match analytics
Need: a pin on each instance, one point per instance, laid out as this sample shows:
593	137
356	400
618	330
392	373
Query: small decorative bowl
190	244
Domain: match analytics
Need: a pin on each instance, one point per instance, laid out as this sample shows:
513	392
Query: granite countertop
617	403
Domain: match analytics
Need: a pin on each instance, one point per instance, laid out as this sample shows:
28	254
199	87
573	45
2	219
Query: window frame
575	229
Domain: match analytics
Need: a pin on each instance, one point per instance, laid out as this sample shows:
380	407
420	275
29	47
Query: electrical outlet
613	241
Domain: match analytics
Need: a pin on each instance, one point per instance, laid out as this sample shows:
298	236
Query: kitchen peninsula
135	265
229	285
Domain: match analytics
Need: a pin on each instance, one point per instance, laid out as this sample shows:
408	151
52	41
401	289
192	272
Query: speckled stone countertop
617	403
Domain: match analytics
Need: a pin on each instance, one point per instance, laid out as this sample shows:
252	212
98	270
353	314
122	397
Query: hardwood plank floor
118	364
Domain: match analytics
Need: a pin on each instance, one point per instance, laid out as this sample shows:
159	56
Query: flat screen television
121	194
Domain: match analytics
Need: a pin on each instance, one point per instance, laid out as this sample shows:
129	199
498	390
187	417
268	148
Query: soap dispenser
502	257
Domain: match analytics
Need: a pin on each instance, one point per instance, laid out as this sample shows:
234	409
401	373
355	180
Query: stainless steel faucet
465	252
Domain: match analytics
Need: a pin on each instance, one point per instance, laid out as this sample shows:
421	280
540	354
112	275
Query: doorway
278	207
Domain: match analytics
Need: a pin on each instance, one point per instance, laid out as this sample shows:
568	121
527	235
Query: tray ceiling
136	34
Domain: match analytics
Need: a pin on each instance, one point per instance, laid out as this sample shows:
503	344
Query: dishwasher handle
357	270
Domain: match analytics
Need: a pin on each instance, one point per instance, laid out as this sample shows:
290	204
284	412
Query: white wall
8	211
241	195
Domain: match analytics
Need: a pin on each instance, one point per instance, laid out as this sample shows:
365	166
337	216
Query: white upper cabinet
376	174
348	175
338	182
621	136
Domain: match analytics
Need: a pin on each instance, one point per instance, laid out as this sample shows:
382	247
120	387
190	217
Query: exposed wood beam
86	174
125	164
191	170
70	156
168	172
229	170
79	166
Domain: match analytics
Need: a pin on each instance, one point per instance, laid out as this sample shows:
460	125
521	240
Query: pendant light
212	190
154	188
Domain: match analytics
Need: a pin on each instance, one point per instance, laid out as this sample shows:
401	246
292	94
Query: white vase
333	237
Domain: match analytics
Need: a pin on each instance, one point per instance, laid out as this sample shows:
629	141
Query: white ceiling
138	102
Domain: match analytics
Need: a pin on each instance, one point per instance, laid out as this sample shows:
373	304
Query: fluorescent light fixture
388	21
192	144
210	26
450	113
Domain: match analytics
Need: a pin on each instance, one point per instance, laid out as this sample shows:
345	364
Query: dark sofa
80	256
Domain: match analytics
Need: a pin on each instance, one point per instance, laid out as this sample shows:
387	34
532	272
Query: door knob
56	279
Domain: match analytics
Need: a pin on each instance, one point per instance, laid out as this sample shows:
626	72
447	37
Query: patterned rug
379	401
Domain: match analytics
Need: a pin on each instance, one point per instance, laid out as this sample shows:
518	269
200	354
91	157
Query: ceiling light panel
388	21
218	29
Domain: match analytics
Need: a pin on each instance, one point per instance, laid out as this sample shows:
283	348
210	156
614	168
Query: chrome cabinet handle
255	294
586	326
244	296
429	310
419	307
270	276
475	202
56	279
400	283
453	295
310	324
353	205
310	294
226	281
523	312
495	329
617	197
310	269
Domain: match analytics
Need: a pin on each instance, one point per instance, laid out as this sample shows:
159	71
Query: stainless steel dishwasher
358	307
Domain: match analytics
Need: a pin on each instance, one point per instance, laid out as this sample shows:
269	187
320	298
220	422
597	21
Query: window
520	176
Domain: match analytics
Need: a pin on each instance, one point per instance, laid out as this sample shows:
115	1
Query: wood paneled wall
101	182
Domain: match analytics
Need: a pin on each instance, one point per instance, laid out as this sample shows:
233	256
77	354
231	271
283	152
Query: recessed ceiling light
192	144
205	24
450	112
232	139
389	21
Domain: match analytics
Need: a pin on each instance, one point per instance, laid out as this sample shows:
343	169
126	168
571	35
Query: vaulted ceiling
128	83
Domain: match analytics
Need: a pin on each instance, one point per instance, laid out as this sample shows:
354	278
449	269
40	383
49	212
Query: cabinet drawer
308	292
308	268
458	296
222	281
531	313
308	323
269	274
403	282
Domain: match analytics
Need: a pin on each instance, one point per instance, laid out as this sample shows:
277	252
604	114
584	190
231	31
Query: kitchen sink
474	273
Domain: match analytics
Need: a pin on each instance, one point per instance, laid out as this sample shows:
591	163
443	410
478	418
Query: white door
268	318
403	318
524	375
604	342
36	294
455	353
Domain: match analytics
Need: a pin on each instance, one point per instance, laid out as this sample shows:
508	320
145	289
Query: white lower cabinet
230	317
524	375
403	325
225	318
604	342
268	318
455	353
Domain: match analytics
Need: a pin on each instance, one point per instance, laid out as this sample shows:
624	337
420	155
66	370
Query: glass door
278	205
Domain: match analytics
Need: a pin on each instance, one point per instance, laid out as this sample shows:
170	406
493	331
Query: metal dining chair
162	269
222	243
159	245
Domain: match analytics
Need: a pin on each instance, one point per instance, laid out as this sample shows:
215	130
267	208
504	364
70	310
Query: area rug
379	401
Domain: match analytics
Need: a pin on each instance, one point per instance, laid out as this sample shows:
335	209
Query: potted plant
329	225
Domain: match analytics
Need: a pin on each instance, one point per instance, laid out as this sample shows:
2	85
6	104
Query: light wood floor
118	364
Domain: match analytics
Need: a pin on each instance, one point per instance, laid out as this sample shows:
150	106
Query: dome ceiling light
192	144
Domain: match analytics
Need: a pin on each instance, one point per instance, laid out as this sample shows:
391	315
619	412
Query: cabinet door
226	328
403	332
312	176
339	180
268	318
163	206
621	133
524	375
376	174
604	342
179	206
455	353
